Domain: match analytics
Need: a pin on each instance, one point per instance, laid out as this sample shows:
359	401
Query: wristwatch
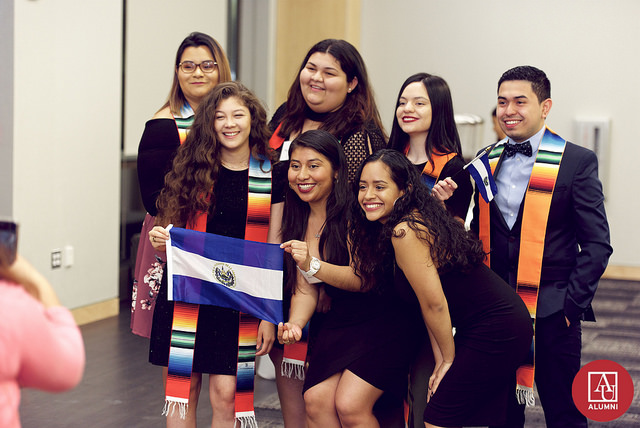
314	267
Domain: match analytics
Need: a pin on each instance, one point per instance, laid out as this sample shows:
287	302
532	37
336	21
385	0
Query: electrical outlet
56	259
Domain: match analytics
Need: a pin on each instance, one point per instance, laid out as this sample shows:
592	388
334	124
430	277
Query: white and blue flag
209	269
481	173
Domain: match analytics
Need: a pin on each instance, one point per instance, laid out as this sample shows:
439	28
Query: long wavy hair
333	240
451	246
189	186
359	107
176	99
443	134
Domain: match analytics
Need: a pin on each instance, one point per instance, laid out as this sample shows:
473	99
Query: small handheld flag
209	269
481	173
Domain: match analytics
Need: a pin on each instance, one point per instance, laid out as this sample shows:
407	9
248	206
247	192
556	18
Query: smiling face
233	124
520	114
311	175
377	192
414	110
323	84
197	84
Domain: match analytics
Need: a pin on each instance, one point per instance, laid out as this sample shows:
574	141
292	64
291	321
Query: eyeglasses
190	66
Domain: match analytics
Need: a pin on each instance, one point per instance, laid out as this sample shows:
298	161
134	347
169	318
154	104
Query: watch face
315	264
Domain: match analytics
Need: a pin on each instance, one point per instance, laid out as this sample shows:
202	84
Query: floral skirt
146	281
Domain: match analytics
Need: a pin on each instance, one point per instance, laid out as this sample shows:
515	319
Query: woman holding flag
343	380
438	270
220	175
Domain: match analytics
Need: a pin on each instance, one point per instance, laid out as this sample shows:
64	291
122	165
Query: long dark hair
333	240
451	246
443	135
359	107
176	99
188	188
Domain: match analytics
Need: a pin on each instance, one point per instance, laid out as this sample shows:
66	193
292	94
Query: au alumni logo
602	390
224	274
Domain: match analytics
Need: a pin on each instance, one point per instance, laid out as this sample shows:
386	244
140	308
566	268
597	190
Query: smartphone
8	242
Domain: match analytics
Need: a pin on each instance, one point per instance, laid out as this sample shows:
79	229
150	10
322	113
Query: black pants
557	361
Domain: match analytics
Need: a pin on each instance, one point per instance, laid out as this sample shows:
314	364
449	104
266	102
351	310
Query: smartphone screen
8	242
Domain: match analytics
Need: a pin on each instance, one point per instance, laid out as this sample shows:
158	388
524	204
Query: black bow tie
512	149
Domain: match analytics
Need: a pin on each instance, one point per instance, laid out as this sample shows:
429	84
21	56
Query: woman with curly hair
343	382
208	189
401	235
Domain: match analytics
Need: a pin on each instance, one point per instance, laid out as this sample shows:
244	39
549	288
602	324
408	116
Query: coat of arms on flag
209	269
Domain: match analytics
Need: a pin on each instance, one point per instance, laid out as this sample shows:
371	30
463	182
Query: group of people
390	303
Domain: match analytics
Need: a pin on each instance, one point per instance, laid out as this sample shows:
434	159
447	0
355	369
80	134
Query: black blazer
576	250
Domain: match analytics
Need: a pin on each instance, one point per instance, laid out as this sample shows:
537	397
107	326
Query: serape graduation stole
294	357
184	122
537	203
178	380
431	173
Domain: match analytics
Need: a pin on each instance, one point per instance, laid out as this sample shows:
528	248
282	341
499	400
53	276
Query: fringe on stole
292	368
247	420
525	395
170	408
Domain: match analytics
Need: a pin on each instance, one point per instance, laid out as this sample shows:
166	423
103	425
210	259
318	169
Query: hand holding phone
8	242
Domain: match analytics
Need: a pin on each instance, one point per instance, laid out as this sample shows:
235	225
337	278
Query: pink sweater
39	348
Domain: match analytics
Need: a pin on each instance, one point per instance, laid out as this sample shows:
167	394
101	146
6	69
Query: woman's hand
436	378
300	253
158	236
266	337
23	273
289	333
444	189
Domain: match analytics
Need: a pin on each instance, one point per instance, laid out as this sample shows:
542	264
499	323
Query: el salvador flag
216	270
481	173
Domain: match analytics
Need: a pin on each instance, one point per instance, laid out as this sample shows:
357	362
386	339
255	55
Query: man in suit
547	234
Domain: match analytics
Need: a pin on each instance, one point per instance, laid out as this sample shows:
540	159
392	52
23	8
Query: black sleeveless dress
363	333
493	332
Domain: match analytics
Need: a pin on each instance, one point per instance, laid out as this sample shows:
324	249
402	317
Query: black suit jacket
576	250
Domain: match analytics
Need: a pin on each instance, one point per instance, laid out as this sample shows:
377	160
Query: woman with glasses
199	66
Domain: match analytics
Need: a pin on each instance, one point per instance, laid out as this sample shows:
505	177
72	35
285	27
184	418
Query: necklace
319	232
235	166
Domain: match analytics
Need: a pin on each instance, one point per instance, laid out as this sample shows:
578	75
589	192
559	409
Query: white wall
588	48
66	141
154	33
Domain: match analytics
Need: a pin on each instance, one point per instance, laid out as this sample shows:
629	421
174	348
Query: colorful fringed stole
537	203
185	320
184	122
431	173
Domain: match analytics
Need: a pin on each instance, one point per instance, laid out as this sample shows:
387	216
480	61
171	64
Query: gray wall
588	48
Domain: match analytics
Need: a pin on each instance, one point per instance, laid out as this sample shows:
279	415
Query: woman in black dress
402	235
210	175
343	381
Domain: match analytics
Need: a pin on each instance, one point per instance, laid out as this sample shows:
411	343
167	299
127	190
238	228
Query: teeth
231	134
305	186
511	122
372	206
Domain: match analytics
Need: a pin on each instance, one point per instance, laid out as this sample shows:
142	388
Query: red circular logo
602	390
